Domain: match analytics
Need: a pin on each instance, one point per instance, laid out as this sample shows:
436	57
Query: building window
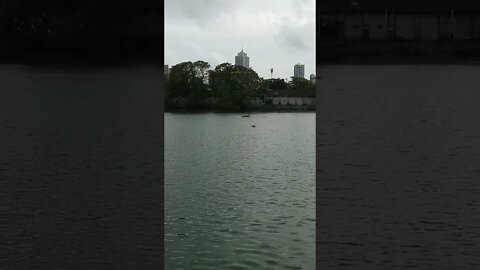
355	27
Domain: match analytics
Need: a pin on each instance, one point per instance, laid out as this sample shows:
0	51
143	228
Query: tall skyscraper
242	59
299	71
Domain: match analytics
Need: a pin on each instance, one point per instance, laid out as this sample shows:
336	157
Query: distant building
299	71
242	59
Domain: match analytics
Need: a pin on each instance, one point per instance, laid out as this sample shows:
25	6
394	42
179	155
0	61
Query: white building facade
242	59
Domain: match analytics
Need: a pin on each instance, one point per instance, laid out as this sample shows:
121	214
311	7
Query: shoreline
275	110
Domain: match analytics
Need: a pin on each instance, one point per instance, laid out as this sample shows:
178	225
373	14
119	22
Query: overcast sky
274	33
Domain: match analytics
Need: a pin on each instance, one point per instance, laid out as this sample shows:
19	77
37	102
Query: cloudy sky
274	33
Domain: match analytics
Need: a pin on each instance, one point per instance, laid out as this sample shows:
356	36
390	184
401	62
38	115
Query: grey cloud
304	7
295	38
199	11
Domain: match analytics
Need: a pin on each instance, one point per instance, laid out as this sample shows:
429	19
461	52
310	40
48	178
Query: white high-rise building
242	59
299	71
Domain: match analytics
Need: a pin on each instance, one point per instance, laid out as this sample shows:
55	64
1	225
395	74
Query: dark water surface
80	168
398	167
238	197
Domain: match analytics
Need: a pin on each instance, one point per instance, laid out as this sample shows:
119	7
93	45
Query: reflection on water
398	167
238	197
80	163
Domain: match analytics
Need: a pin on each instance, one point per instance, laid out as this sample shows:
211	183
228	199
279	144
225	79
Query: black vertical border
317	128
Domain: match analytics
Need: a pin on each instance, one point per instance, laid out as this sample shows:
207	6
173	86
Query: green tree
188	81
301	83
278	84
234	86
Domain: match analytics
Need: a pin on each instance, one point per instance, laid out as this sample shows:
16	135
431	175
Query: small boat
253	125
246	115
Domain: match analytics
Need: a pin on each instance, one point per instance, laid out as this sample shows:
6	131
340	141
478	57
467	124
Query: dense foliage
234	86
188	81
191	84
301	83
277	84
231	87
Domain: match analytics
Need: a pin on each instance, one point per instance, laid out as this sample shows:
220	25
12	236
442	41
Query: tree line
227	86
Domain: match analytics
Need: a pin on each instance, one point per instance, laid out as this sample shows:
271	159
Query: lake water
80	167
398	167
237	196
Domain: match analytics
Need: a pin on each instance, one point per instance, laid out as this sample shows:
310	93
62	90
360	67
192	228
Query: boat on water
246	115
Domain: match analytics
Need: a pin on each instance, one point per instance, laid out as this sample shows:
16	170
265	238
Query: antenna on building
271	72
